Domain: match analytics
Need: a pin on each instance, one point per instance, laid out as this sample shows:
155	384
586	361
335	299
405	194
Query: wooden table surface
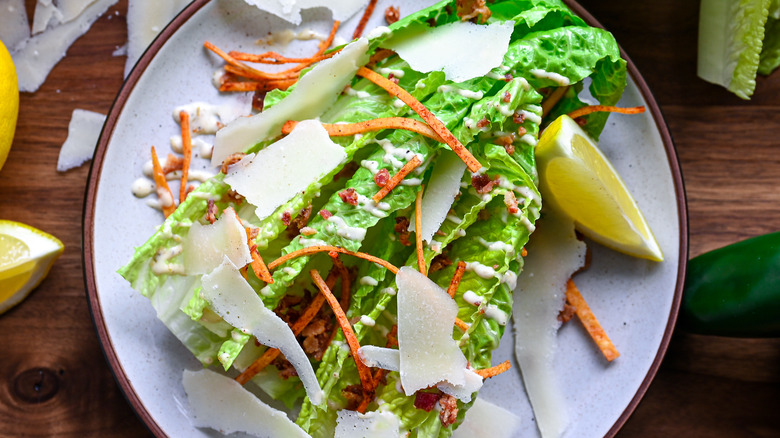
54	380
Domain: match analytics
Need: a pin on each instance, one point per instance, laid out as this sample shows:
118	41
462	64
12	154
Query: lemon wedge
9	102
26	255
576	179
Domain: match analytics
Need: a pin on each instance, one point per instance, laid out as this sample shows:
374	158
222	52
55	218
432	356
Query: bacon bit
449	410
508	77
511	202
364	19
286	369
495	370
507	97
347	129
355	397
510	148
483	122
211	212
397	178
313	337
584	111
326	214
327	248
518	118
523	252
231	160
439	262
550	101
590	322
425	114
426	400
286	218
366	379
418	235
402	228
482	183
392	14
395	80
476	9
453	289
382	177
522	131
299	222
271	354
380	55
506	140
349	196
566	313
163	191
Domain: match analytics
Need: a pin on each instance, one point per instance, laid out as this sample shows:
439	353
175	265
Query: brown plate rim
113	116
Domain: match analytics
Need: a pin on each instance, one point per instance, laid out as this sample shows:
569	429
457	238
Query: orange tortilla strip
425	114
327	248
342	130
459	270
589	321
493	371
162	185
366	379
584	111
397	178
549	103
364	19
186	142
418	235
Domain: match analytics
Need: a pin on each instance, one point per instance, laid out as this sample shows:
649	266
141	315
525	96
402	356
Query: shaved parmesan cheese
380	357
374	424
426	315
207	245
463	50
83	132
313	94
35	58
275	174
290	10
50	14
14	27
486	419
145	19
440	193
554	254
233	299
221	403
463	392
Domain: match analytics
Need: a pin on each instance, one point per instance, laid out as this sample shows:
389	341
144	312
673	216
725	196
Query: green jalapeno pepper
734	290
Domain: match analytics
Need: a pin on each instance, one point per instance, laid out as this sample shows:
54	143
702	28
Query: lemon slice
26	254
577	179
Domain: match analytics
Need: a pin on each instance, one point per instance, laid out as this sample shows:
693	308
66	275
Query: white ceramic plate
635	300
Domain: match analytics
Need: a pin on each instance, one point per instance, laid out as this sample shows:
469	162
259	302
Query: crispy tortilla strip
327	248
425	114
343	130
397	178
584	111
590	322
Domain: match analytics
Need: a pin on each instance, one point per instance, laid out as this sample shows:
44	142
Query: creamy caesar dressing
472	298
453	218
367	321
493	312
558	78
528	115
498	246
285	36
200	146
349	91
481	270
160	265
377	209
398	73
476	95
204	117
369	281
340	227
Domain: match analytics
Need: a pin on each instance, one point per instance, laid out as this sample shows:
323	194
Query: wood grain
706	387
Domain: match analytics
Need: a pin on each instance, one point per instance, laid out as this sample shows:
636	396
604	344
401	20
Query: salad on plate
356	255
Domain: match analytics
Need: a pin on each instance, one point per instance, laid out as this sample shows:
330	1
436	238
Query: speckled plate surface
635	300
